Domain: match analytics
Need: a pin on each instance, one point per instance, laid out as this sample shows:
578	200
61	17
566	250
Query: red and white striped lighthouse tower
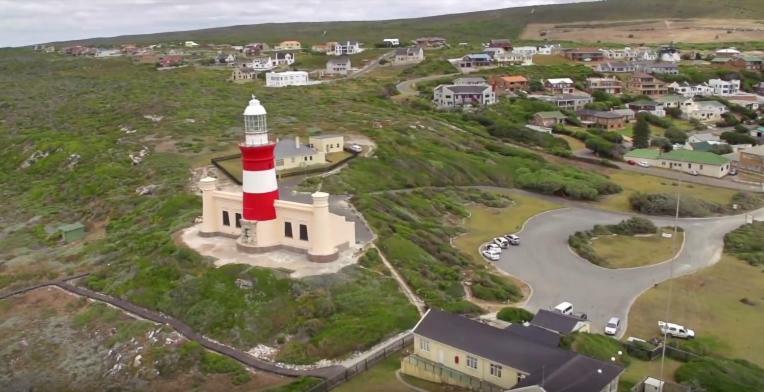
258	172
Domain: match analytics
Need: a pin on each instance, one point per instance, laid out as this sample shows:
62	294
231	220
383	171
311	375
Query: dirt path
413	298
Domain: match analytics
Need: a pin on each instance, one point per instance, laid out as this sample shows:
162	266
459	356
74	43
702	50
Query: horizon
19	26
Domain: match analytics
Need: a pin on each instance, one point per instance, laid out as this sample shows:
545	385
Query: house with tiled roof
646	84
601	119
509	83
695	162
455	350
611	85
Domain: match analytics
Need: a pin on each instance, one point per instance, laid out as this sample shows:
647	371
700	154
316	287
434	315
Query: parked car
502	242
643	164
493	256
492	245
512	239
355	148
676	330
612	326
564	308
694	172
631	162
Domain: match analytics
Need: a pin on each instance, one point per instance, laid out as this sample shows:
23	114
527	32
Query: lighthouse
259	187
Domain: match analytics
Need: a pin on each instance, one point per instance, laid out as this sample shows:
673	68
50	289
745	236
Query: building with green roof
694	162
548	119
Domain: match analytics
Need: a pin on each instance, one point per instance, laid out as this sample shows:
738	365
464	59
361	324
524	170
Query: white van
676	330
564	308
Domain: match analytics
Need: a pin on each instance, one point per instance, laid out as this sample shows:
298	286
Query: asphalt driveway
556	274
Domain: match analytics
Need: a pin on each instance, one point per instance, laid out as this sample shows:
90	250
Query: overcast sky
24	22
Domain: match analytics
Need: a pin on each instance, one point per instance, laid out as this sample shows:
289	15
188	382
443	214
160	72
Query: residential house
412	55
190	44
657	67
513	58
170	61
559	86
223	58
752	159
320	48
493	52
669	54
628	114
548	49
338	66
243	74
101	53
146	57
284	59
264	63
327	143
616	67
431	42
291	154
724	88
690	90
78	50
504	44
727	53
703	137
475	60
456	96
470	81
655	108
575	101
561	324
289	45
608	85
509	84
255	48
391	42
601	119
453	349
584	54
345	48
616	54
703	163
709	111
645	84
746	103
287	78
548	119
749	62
674	101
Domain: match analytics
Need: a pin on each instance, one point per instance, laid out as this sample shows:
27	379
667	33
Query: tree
674	112
676	136
641	132
737	138
536	85
721	149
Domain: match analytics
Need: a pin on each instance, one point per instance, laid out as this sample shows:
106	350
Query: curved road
408	87
556	274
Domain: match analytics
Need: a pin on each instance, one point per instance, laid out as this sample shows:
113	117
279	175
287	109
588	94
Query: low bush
665	204
714	374
747	243
574	185
514	315
732	137
675	135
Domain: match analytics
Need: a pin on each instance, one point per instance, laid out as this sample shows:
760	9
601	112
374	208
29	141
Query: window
496	370
456	359
288	229
238	220
424	344
472	362
226	219
304	232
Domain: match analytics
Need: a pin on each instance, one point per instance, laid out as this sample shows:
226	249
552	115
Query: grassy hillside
457	27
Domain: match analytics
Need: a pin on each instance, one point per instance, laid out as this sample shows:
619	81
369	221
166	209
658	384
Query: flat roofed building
286	78
703	163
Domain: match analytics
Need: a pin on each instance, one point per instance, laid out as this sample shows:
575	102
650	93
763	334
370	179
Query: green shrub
747	243
732	137
714	374
216	363
632	226
665	204
514	315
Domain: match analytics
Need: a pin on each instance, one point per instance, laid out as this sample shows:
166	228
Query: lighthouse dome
254	108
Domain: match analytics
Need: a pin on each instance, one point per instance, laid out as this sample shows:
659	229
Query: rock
137	360
153	118
146	190
190	120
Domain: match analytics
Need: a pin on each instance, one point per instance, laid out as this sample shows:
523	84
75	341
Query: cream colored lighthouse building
307	228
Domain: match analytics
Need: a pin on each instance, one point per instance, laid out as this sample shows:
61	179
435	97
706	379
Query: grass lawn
337	156
712	303
381	378
485	223
575	144
630	251
638	370
546	59
635	182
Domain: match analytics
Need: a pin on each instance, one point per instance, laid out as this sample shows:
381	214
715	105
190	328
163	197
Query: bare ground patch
650	31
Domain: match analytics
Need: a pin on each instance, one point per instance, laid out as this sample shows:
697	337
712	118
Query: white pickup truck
676	330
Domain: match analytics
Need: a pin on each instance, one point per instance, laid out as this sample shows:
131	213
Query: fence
451	376
363	366
645	353
216	162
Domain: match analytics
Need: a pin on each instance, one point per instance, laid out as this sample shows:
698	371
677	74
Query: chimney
296	142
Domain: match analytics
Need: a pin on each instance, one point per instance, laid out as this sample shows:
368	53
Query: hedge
514	315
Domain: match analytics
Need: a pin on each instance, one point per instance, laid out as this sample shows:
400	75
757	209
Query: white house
690	90
190	44
338	66
288	78
559	85
284	58
392	41
533	50
262	64
455	96
408	55
724	88
345	48
514	58
704	111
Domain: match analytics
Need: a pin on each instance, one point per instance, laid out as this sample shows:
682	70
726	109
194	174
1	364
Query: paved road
556	274
408	87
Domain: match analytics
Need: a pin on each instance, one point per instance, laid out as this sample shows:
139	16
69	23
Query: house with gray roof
458	96
291	154
559	323
338	66
453	349
412	55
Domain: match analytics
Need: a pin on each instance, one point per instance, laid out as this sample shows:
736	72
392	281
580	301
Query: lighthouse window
288	229
226	219
304	232
238	220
